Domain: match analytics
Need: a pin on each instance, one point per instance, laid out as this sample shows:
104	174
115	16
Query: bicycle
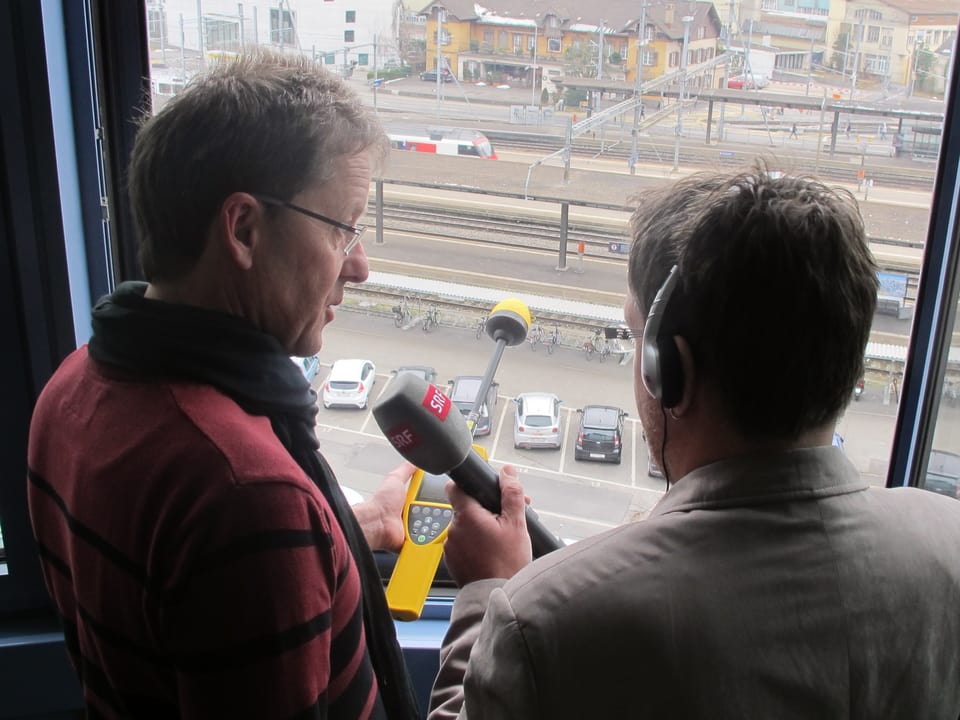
588	348
553	340
604	350
535	336
481	327
401	313
597	344
432	319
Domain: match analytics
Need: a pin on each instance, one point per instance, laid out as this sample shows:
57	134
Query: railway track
514	228
657	151
508	229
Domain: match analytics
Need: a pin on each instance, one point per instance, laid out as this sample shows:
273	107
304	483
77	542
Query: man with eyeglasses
196	544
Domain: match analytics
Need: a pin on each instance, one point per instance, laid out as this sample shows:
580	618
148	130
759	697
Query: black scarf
180	342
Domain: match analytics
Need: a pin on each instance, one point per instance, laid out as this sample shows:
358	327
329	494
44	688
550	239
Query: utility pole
856	60
200	32
917	47
638	91
846	52
240	16
533	80
183	59
439	61
163	33
687	19
600	53
823	105
375	74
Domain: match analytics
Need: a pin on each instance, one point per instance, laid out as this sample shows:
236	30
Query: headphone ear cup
670	371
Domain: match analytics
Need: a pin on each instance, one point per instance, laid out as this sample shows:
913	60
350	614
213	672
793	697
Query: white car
537	422
349	383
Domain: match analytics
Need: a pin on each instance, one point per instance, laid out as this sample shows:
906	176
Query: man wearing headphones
770	581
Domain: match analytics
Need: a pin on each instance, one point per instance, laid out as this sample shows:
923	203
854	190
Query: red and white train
442	141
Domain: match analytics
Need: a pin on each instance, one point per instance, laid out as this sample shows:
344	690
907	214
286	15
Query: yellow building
545	43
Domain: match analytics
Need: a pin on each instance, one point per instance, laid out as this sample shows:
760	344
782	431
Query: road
574	498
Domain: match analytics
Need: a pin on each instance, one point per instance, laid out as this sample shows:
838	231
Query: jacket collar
764	478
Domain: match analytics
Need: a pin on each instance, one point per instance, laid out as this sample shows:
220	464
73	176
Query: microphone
416	418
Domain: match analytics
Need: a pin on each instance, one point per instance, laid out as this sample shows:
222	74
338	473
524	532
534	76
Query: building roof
925	7
790	30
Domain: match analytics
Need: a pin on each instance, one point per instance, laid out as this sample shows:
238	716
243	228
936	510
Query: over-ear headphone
660	365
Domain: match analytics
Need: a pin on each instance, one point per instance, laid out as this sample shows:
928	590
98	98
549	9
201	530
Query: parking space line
369	417
564	439
577	519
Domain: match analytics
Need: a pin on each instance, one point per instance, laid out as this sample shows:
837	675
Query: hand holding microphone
480	545
425	428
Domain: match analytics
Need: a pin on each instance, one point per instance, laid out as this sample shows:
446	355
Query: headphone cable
663	449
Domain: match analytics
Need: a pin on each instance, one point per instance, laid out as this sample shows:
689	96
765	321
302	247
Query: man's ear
690	378
240	227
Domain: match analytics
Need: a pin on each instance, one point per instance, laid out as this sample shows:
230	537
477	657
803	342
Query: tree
840	49
924	64
580	61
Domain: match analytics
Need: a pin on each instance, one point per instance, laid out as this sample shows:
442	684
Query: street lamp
440	66
912	81
533	80
638	91
687	19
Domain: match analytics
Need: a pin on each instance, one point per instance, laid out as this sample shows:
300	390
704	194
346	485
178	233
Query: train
442	141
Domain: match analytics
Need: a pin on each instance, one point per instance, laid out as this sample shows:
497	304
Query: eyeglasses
356	231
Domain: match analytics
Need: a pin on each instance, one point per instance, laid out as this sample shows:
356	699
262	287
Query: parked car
943	473
748	82
432	75
349	383
421	371
600	436
463	390
537	422
308	365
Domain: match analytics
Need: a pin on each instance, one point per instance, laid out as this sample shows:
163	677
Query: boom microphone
415	416
507	324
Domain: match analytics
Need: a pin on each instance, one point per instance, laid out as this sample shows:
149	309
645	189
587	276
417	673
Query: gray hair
260	123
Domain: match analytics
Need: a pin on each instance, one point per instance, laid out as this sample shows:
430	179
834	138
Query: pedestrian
771	580
793	131
643	112
882	130
195	542
848	130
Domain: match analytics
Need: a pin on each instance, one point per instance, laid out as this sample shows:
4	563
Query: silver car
537	422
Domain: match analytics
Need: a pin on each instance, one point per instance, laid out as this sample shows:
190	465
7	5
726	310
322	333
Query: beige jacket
770	587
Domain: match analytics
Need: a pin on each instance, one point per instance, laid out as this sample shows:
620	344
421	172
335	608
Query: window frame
43	295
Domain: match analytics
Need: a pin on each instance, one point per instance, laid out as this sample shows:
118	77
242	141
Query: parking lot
574	498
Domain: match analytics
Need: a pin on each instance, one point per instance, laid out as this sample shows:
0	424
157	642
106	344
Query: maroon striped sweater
199	573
